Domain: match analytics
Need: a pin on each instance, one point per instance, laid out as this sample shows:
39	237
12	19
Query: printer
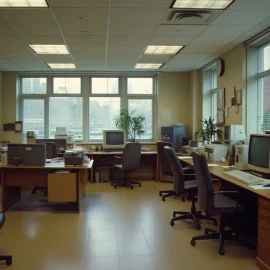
74	157
215	152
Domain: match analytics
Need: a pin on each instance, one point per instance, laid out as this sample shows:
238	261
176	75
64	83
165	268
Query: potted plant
132	124
208	131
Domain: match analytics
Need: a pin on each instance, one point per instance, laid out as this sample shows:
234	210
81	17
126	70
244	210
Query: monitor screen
113	138
258	158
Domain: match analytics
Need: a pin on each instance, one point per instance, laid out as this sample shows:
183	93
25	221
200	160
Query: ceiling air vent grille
190	17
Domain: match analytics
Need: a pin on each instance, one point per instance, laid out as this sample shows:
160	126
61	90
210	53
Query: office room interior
208	46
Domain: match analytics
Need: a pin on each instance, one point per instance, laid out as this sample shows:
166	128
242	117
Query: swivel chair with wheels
51	152
213	204
167	170
7	258
183	188
130	162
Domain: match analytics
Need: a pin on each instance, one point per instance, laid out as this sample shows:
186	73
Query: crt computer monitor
259	153
114	139
27	154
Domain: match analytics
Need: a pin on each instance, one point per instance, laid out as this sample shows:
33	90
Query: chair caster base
163	199
172	223
221	252
193	242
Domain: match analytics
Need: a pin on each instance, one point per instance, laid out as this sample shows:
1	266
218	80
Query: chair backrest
177	170
205	184
164	162
131	156
51	150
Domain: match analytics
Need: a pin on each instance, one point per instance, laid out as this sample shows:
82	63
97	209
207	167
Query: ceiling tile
86	40
179	30
137	15
212	41
224	31
187	57
50	58
132	30
127	41
170	41
43	39
154	58
5	30
142	3
241	17
26	15
38	28
251	5
201	49
79	3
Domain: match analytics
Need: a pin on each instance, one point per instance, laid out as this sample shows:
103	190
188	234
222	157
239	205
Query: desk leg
157	170
10	195
82	176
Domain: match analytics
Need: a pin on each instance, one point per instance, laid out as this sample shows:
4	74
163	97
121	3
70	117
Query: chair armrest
117	157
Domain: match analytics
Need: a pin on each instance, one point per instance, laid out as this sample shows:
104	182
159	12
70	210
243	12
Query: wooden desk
263	256
148	160
15	177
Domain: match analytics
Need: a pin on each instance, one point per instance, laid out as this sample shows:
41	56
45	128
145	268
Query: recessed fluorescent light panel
49	49
148	66
23	3
62	65
162	49
204	4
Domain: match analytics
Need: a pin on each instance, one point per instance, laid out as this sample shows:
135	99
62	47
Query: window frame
86	93
253	79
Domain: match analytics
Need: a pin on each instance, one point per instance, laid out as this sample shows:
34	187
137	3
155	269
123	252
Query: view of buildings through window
43	109
263	114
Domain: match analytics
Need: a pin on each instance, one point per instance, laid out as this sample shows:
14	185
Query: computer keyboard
246	177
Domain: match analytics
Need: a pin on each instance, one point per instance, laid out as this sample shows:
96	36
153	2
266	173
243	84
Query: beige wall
174	98
1	106
9	106
234	76
197	99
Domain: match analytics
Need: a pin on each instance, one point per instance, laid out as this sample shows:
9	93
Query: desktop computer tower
241	157
174	135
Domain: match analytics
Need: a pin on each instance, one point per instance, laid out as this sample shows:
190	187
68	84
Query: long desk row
62	187
263	258
149	163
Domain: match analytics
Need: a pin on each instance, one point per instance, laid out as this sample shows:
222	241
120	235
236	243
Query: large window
85	105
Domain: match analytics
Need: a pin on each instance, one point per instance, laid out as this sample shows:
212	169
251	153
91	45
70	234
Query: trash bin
102	174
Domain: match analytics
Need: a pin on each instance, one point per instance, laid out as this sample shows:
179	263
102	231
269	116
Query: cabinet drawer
264	230
264	251
62	187
264	214
264	203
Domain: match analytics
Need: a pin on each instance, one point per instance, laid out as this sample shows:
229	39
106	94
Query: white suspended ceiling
111	35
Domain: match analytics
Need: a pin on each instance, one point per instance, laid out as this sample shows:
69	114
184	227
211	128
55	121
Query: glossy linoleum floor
116	230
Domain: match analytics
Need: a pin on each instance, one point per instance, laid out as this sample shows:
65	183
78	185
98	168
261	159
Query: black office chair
213	204
51	152
167	170
6	258
183	188
130	162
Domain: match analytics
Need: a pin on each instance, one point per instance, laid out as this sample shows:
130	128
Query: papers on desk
213	165
228	167
185	157
259	187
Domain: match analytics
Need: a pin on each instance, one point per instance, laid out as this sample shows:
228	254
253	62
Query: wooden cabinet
263	259
62	187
